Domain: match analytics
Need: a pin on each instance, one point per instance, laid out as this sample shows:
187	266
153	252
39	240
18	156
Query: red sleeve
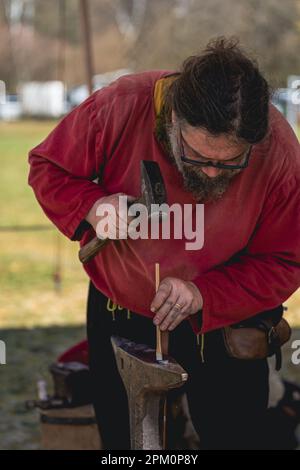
63	166
266	273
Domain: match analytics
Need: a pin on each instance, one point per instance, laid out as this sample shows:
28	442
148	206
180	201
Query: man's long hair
222	91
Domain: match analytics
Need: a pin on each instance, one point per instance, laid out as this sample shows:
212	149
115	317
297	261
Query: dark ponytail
223	91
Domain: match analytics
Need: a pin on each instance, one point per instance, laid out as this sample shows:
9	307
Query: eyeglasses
202	161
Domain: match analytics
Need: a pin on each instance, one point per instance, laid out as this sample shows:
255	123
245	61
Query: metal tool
147	383
152	192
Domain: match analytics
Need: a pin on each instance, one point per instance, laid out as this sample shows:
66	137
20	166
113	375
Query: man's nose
210	171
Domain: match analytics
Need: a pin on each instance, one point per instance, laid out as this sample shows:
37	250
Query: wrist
197	296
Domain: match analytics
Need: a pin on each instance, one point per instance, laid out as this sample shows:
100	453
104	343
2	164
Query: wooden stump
69	429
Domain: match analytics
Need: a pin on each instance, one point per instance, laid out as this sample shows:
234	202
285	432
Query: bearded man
218	142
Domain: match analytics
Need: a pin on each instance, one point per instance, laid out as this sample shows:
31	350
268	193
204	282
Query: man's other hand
174	301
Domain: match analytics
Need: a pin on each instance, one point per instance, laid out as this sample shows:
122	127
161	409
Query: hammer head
153	189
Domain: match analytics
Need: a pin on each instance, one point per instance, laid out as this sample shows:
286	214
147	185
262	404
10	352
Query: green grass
15	141
37	322
29	259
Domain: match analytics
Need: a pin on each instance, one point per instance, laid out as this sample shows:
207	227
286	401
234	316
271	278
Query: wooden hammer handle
88	251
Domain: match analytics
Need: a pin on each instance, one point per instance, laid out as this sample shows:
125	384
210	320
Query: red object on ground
77	353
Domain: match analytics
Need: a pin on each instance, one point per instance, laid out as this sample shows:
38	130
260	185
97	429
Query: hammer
152	192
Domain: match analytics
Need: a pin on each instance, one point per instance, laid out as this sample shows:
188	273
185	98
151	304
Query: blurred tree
130	16
8	67
274	35
41	39
269	30
17	18
47	19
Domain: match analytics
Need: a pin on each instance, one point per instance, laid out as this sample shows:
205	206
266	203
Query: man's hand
112	230
174	301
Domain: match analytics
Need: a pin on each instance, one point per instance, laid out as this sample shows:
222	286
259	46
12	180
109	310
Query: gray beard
202	187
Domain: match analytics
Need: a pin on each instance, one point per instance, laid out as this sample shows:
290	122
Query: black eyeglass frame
223	166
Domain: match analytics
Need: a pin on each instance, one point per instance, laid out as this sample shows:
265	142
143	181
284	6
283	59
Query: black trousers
227	397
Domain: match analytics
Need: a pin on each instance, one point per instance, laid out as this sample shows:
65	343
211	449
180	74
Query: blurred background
52	54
